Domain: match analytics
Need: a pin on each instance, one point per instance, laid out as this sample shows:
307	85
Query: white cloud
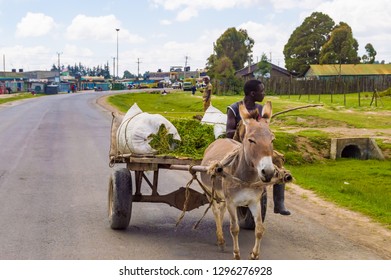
186	14
281	5
189	9
101	28
28	58
35	25
269	39
165	22
171	53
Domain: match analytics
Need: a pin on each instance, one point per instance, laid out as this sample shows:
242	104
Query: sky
157	34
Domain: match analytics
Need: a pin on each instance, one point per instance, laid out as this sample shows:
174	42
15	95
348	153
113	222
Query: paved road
53	198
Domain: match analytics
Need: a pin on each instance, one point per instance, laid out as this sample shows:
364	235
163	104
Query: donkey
247	169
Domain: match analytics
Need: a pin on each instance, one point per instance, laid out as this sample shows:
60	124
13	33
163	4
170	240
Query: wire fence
333	85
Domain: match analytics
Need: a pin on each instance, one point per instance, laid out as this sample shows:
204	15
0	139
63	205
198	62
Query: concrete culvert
351	151
357	148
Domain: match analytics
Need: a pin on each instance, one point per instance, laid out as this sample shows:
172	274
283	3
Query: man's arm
231	124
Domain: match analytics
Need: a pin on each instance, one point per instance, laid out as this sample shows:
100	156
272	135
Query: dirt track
351	225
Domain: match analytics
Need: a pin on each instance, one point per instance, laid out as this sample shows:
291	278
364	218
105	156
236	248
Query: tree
304	44
233	44
128	75
371	54
264	66
341	48
224	76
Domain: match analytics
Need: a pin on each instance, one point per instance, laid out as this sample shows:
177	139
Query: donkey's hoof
221	247
236	256
254	256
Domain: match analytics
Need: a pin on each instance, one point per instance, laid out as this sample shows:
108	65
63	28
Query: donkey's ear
244	114
267	111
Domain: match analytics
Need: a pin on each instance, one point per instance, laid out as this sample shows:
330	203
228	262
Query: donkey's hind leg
218	212
255	209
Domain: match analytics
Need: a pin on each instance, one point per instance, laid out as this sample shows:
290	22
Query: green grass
20	96
184	105
333	114
363	186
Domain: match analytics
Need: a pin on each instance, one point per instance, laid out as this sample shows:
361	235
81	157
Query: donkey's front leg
234	228
218	212
255	209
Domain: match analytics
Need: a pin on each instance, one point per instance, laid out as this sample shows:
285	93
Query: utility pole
114	68
59	66
184	70
138	67
117	29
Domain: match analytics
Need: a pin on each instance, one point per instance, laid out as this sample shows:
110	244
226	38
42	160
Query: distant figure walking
207	95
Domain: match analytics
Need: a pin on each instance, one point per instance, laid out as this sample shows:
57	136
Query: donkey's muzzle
267	174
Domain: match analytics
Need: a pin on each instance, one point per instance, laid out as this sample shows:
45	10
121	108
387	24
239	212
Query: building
12	81
348	71
250	72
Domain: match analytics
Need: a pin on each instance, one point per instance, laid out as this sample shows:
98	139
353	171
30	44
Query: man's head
206	79
254	89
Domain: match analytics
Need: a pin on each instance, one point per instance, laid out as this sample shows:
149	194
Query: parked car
187	85
176	85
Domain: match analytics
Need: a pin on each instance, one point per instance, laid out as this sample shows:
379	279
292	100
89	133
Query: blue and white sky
161	33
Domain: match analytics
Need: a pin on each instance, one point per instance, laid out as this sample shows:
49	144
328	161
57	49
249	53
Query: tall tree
233	44
341	48
306	41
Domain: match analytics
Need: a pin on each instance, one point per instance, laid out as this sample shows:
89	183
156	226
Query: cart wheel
120	198
246	220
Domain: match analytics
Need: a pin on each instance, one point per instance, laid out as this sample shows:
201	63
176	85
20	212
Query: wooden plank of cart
121	195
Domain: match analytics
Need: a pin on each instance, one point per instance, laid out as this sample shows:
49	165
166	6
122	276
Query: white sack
133	111
218	119
136	128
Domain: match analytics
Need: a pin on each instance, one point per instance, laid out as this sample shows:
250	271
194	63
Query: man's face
259	94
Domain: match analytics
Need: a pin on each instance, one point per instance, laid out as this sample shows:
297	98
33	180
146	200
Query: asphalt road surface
54	176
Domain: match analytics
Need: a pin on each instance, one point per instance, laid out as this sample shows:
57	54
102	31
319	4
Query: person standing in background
207	94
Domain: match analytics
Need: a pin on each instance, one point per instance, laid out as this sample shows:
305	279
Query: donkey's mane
254	114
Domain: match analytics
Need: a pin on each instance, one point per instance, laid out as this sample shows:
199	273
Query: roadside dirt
353	226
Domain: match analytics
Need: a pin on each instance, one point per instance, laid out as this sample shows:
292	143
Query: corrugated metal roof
349	70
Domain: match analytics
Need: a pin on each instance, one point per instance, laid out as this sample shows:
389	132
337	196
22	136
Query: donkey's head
258	140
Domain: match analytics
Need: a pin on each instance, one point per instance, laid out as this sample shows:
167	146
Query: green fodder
163	142
195	137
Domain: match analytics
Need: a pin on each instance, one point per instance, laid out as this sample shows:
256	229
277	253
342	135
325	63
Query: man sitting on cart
254	91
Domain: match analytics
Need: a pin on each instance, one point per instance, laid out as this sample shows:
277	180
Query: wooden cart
122	194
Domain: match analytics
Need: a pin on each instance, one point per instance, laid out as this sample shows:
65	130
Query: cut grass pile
195	137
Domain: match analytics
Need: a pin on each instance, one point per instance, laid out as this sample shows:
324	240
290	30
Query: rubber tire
120	198
246	219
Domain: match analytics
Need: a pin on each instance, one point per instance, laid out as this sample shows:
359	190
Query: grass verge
363	186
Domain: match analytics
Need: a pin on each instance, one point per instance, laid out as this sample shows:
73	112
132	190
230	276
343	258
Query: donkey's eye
251	141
